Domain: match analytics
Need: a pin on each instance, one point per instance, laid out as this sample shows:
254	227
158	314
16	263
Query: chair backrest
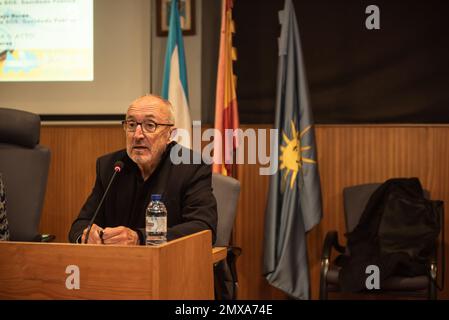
355	199
226	190
24	165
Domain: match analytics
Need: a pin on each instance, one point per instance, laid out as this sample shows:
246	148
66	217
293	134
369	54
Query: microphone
118	166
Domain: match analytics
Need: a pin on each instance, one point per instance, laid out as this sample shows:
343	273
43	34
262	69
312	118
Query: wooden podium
180	269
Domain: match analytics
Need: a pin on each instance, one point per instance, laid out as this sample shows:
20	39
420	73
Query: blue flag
294	199
174	85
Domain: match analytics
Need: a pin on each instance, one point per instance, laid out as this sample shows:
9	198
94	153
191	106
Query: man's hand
120	236
94	235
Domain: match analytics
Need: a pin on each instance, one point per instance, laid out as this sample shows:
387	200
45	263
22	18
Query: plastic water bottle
156	221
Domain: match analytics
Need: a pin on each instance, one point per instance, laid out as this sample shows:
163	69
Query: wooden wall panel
249	235
347	155
249	230
74	150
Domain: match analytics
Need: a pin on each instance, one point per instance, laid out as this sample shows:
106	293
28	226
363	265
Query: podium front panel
181	269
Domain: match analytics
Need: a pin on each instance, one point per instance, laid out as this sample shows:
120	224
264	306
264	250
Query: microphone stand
117	168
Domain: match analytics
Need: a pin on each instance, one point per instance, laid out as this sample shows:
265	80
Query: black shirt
185	188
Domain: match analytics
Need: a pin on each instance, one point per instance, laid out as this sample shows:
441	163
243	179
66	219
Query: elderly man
186	188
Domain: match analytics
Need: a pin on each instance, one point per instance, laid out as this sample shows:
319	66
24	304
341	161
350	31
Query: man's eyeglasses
147	126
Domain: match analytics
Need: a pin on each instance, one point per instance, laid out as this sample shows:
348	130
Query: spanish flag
226	112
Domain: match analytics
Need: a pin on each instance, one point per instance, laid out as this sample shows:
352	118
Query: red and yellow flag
226	111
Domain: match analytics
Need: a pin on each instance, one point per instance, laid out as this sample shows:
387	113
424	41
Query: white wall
121	67
192	47
125	42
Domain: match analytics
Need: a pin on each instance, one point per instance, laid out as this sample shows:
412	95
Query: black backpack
397	232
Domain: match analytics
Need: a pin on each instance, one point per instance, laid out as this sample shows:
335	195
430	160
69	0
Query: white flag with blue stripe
174	87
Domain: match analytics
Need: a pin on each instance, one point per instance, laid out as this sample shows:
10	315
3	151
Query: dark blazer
185	188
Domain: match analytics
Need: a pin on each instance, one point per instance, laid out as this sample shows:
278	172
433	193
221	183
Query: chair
226	190
24	166
355	200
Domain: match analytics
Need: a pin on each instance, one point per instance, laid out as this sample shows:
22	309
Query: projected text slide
46	40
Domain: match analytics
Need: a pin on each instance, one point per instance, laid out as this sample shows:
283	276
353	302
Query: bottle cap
156	197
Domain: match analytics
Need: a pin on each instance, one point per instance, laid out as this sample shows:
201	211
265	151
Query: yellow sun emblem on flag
291	158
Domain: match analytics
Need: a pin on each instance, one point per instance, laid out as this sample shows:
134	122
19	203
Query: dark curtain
398	74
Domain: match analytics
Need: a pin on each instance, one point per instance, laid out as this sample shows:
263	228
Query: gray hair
171	111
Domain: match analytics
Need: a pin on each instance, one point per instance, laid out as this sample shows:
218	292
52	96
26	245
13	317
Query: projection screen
74	59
